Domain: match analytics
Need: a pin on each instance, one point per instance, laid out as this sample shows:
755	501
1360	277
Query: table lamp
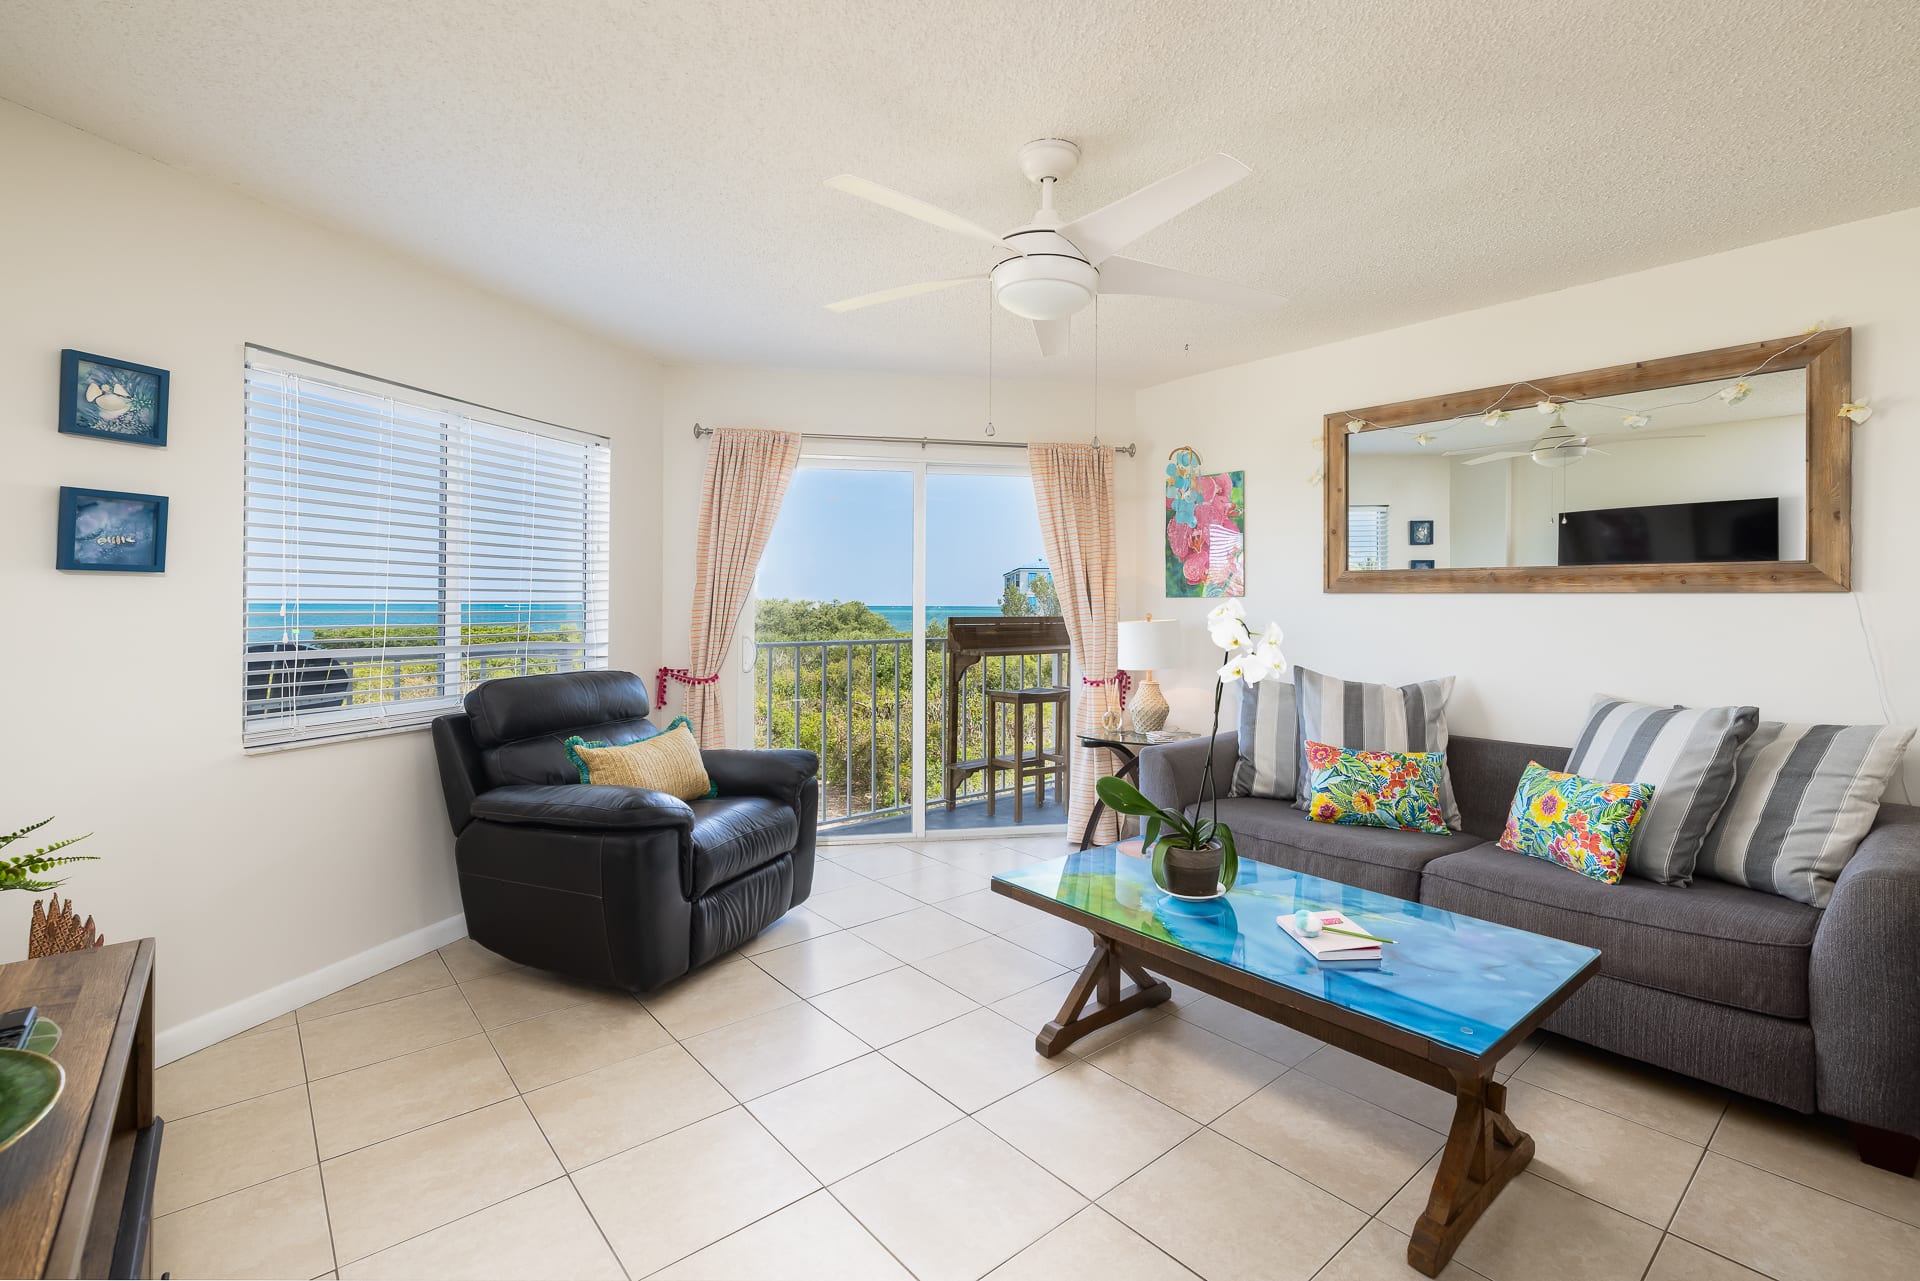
1143	647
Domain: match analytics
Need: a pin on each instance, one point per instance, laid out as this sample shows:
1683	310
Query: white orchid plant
1249	659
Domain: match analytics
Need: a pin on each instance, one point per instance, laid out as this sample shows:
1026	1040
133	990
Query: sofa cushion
1713	941
1687	753
1374	718
735	834
1804	798
1385	860
1269	741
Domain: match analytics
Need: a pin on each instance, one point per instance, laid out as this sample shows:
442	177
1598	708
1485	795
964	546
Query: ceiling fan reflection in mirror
1560	447
1053	268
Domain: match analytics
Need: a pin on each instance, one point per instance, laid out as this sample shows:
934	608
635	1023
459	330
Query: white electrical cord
1879	679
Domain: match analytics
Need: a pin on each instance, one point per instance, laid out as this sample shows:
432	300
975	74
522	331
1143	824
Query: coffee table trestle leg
1102	975
1484	1151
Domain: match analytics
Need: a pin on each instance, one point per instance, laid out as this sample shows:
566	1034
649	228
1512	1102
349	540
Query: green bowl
29	1086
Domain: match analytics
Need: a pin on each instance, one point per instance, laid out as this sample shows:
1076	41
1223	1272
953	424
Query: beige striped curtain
746	479
1073	488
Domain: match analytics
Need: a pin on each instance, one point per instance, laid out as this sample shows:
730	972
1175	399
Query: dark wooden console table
76	1192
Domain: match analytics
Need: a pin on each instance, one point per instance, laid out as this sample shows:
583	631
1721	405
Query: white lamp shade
1150	644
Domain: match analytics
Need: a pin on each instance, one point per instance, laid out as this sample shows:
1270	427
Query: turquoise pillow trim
580	764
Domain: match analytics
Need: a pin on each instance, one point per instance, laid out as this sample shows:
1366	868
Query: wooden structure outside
969	642
1042	762
76	1192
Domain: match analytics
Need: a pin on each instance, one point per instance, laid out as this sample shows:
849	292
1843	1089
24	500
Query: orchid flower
1738	392
1545	407
1634	422
1227	626
1857	411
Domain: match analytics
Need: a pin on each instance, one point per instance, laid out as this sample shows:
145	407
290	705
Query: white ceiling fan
1560	447
1055	268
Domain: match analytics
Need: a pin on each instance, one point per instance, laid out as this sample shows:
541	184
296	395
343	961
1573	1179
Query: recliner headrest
520	707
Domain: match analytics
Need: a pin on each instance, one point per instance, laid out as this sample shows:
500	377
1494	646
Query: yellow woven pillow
668	762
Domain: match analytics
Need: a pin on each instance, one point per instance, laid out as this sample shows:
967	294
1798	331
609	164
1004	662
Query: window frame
1380	517
476	446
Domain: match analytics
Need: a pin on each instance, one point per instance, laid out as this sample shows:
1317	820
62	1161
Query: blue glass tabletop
1461	982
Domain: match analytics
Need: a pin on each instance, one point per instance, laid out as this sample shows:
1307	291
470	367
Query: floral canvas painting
1206	529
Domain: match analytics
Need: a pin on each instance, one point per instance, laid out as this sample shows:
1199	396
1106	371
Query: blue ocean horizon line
271	620
900	617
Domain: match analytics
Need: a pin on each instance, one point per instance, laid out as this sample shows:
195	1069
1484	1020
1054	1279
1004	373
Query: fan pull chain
989	360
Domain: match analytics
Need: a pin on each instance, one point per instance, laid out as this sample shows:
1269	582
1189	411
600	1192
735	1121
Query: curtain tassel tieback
1124	681
682	675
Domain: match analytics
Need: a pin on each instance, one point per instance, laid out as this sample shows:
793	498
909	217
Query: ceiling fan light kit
1056	269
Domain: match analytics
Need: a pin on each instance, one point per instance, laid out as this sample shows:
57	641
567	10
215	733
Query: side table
1125	744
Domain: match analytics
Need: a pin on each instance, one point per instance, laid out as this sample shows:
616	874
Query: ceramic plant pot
1190	873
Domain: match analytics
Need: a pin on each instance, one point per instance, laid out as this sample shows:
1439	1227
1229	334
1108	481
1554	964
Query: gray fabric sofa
1817	1010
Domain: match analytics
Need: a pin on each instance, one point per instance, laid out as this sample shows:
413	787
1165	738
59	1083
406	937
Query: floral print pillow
1580	823
1375	789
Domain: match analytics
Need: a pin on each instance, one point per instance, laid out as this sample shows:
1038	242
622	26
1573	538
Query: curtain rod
922	441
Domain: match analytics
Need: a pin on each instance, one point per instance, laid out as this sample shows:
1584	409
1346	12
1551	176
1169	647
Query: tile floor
855	1095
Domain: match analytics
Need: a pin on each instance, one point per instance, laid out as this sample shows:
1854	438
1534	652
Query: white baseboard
217	1025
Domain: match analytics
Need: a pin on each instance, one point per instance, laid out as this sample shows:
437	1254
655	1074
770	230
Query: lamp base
1148	707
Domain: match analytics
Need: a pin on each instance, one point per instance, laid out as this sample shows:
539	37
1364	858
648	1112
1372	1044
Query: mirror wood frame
1827	356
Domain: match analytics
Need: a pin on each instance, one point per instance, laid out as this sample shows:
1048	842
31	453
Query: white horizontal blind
1367	538
402	547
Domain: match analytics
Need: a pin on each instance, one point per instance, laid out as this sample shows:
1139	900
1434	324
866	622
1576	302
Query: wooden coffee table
1451	996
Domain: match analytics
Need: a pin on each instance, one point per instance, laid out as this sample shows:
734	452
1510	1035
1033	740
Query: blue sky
847	534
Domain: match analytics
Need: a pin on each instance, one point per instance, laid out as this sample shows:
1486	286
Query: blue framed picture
1420	533
1419	564
106	530
112	399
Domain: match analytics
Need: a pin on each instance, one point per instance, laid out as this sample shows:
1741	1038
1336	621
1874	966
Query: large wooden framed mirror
1721	471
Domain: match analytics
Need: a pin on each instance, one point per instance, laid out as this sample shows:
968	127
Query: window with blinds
1367	537
402	547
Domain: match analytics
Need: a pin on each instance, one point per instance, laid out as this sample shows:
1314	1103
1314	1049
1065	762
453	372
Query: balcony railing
851	703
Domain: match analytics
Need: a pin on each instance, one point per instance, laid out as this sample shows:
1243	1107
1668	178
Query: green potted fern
54	927
1193	855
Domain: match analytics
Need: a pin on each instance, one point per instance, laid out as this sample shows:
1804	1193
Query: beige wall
1528	664
268	879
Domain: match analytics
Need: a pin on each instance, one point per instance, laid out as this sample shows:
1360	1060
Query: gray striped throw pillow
1806	796
1269	746
1687	753
1371	718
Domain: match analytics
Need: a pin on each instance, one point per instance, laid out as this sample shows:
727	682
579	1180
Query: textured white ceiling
654	170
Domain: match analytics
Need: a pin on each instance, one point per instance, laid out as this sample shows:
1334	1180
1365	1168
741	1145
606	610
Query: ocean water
272	620
900	617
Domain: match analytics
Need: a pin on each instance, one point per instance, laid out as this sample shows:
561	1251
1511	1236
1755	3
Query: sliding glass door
867	567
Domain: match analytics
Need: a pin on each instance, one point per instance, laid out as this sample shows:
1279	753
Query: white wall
1412	488
854	404
122	701
1527	664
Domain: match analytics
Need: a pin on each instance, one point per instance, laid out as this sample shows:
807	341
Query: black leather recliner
618	885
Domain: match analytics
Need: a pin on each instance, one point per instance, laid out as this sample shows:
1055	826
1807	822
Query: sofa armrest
1170	773
1864	982
577	806
778	774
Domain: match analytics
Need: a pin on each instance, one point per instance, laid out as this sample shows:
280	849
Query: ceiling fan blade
899	292
1644	440
1107	230
1131	276
1052	335
913	207
1488	458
